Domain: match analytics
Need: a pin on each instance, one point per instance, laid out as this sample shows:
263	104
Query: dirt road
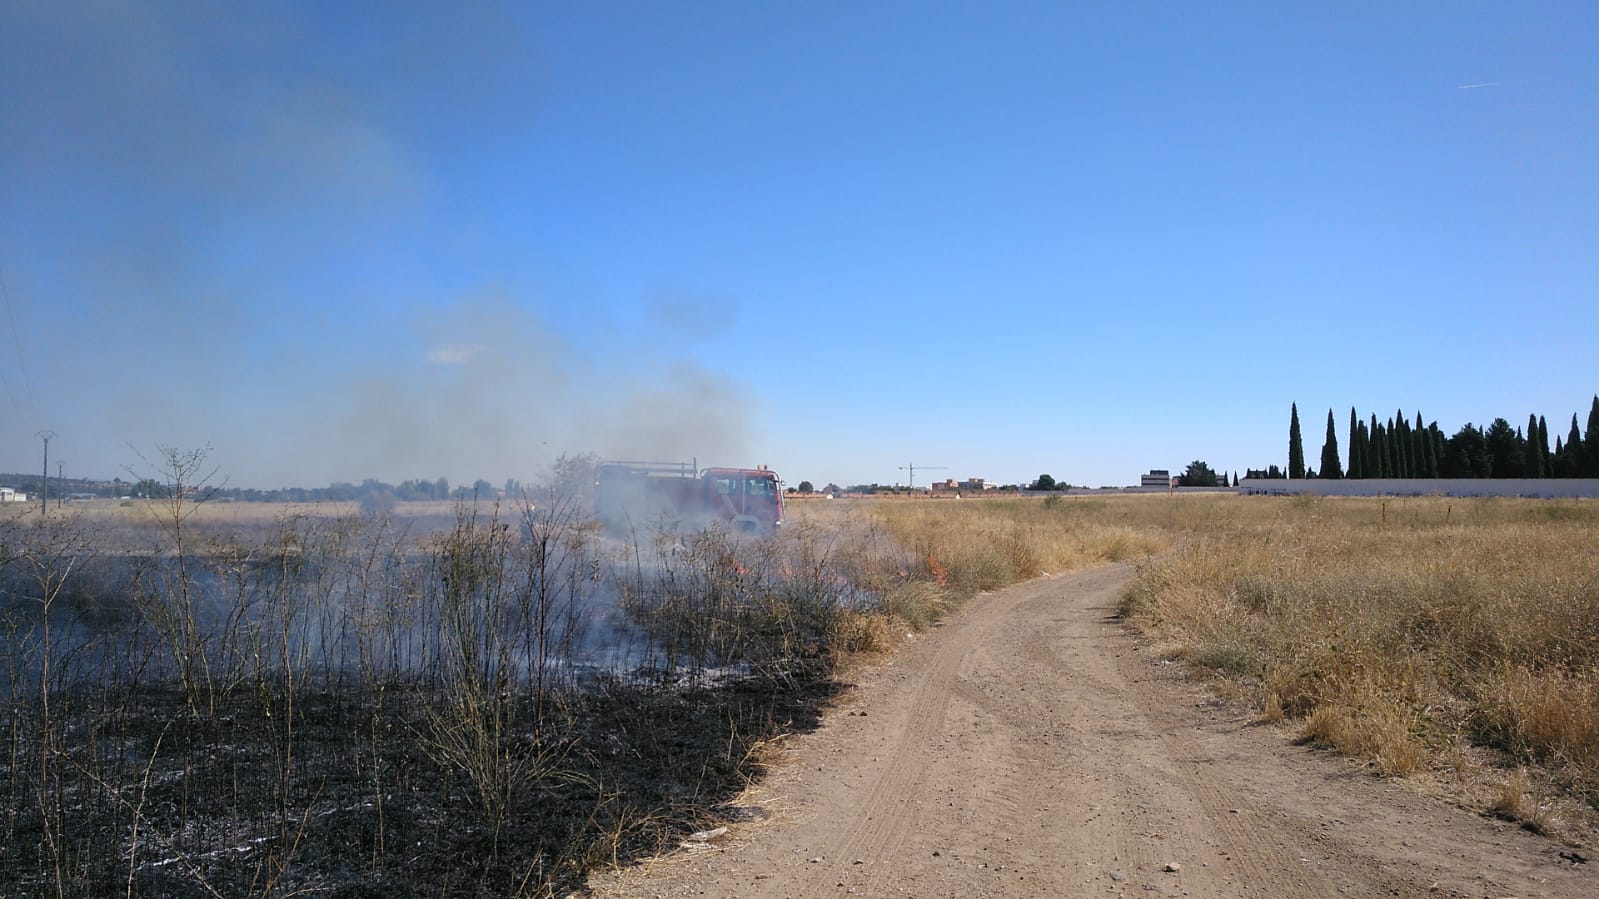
1030	748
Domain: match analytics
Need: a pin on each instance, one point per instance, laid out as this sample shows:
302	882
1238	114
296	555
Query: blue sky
338	241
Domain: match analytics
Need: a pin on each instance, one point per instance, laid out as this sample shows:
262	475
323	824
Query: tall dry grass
1403	631
911	562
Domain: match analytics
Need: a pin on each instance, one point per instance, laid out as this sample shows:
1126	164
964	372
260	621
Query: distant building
1157	477
10	495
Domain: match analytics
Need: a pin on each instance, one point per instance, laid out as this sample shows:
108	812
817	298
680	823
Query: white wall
1543	488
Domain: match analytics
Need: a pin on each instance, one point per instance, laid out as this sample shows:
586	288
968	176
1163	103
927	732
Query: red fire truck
649	494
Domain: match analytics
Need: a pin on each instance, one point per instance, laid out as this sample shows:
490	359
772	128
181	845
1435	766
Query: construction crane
911	467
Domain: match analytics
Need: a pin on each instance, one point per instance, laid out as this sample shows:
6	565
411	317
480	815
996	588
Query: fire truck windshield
763	487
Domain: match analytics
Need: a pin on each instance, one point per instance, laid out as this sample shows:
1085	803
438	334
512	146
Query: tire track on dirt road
889	810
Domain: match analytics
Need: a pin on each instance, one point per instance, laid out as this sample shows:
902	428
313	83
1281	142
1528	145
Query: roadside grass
919	560
1405	632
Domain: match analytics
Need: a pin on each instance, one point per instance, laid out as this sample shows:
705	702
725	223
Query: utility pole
44	491
911	467
59	499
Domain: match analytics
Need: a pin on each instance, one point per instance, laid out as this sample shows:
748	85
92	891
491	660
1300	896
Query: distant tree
1390	442
1369	467
1198	474
1543	448
1576	454
1235	478
1505	452
1374	466
1403	461
1429	449
1466	455
1590	445
806	487
1356	470
832	489
571	477
1419	445
1296	446
513	487
377	504
1532	461
1044	482
1330	467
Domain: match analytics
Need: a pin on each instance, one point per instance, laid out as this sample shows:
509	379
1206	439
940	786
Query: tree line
414	490
1400	447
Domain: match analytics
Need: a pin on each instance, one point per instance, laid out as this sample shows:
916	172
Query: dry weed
1516	801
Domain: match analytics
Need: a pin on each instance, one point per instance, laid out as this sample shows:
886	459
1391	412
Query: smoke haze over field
335	241
496	393
218	263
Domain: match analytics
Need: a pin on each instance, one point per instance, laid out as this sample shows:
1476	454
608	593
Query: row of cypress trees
1398	448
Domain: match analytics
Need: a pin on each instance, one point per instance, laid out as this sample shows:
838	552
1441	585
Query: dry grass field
1424	634
1452	641
1456	640
1410	632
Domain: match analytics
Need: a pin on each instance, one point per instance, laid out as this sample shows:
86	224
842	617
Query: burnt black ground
340	796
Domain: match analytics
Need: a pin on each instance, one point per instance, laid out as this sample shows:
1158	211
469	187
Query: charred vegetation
343	706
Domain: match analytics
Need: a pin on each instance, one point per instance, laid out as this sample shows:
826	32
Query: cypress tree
1590	446
1418	449
1379	439
1543	448
1374	465
1365	452
1532	460
1391	446
1576	454
1354	444
1330	467
1431	442
1296	447
1402	445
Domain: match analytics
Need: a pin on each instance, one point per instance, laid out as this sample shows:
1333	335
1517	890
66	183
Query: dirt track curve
1030	748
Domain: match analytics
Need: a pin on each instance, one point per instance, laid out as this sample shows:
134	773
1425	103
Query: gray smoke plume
495	394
